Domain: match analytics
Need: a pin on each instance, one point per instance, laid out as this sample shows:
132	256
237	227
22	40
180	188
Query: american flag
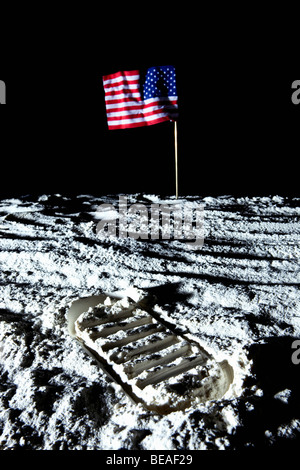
132	101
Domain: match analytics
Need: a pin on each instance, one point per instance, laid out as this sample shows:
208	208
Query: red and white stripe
124	105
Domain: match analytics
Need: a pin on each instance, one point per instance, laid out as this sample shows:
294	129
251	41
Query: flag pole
176	158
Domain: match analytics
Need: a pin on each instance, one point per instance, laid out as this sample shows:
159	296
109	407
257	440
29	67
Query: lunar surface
227	300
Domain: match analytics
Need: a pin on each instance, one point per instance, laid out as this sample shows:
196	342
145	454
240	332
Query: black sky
238	131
